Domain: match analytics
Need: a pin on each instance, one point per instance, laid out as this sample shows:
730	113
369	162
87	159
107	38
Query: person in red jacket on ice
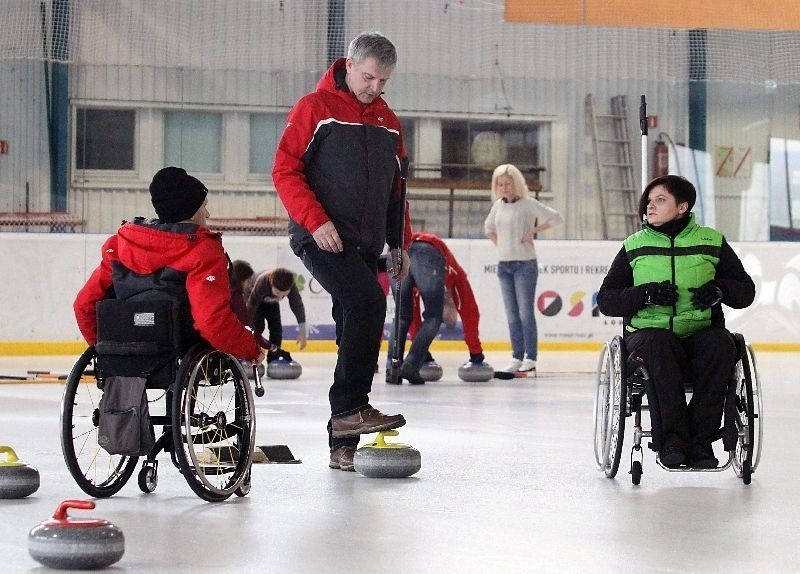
434	272
173	257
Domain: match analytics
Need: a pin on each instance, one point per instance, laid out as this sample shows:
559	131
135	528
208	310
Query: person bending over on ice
263	306
434	272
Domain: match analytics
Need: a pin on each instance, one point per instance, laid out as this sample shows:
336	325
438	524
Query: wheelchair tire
148	479
617	411
247	483
96	472
601	407
758	405
636	472
748	415
214	423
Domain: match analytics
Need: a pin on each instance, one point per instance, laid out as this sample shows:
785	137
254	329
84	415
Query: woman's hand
528	237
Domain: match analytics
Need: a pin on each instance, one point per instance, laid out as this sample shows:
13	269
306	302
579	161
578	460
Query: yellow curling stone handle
380	441
11	457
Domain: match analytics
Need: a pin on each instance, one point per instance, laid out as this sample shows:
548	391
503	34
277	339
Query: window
104	139
265	131
784	211
472	149
192	140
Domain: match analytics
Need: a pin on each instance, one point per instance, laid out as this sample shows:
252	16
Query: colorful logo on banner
549	303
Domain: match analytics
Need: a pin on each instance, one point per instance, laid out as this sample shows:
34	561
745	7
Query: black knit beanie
176	195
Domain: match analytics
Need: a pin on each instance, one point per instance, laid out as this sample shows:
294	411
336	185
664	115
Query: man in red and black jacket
174	257
434	270
337	174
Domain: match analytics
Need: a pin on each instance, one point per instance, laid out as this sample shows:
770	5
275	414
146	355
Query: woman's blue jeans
518	287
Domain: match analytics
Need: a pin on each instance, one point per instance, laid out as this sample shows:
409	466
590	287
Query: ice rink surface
508	484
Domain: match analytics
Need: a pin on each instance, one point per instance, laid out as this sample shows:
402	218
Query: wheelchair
621	394
207	418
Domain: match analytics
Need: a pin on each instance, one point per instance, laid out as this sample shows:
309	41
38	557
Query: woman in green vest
668	283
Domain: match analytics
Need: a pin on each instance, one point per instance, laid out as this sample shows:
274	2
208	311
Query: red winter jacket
338	160
181	254
457	283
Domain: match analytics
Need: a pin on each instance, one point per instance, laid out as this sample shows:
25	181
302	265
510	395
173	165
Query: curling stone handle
11	456
61	511
380	440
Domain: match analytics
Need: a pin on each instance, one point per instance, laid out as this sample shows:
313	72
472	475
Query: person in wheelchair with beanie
173	257
668	283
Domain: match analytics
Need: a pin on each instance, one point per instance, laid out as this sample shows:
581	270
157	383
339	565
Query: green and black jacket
691	258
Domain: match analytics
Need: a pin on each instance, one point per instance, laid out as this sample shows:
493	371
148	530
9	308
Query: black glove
706	296
279	354
664	293
476	357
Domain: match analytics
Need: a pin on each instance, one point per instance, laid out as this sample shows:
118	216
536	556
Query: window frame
81	176
545	151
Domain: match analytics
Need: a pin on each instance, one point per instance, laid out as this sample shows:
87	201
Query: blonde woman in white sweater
512	225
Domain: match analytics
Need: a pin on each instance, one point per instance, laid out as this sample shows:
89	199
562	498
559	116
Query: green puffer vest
690	260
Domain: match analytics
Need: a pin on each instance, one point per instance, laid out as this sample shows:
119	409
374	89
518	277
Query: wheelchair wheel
636	472
601	407
97	473
748	416
213	423
148	478
611	412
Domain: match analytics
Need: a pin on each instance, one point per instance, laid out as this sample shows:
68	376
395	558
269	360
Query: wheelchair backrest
145	326
139	339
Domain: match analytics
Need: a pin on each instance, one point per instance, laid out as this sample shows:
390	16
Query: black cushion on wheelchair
140	338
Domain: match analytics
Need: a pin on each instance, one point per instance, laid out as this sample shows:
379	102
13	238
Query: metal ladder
616	179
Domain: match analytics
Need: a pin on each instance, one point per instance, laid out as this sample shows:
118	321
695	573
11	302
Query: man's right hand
327	238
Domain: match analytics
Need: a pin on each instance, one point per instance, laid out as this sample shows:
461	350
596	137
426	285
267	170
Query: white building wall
49	269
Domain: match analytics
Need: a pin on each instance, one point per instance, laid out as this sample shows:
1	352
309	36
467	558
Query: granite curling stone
430	371
75	543
17	479
283	369
475	372
380	459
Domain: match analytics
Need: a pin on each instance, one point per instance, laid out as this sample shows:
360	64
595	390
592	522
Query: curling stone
76	543
380	459
283	369
475	372
430	371
17	479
